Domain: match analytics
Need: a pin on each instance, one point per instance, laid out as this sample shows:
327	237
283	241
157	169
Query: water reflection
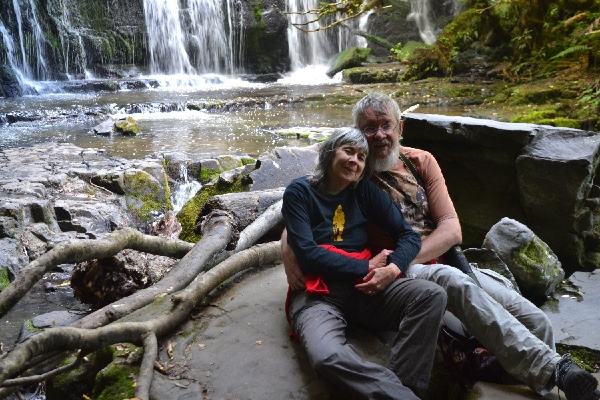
195	134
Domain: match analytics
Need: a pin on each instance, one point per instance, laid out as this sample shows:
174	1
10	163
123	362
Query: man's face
383	133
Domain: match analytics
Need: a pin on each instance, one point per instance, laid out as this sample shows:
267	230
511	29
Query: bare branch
142	389
43	377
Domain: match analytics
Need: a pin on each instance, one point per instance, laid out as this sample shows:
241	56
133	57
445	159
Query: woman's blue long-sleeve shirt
313	219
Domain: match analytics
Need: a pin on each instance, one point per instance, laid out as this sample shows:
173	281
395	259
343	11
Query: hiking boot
574	381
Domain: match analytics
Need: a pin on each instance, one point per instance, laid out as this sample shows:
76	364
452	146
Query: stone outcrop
54	192
542	176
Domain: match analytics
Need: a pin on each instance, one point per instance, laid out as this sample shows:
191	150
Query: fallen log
245	207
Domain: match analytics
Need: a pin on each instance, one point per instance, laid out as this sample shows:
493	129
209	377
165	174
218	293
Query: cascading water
25	52
317	48
184	190
196	39
420	14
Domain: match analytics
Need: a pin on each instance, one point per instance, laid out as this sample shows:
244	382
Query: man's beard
385	164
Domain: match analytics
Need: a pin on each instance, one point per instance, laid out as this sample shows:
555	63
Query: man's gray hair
340	137
381	103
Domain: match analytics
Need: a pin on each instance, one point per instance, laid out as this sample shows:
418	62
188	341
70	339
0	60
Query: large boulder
541	176
535	267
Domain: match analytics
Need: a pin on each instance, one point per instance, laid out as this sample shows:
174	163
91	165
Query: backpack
467	360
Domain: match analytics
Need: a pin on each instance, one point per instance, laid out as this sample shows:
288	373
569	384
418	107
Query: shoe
574	381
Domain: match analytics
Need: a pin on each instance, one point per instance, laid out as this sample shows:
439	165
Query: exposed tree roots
144	317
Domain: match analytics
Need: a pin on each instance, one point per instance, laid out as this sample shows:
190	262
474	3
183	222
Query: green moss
116	381
190	211
144	194
207	175
127	127
77	382
258	9
29	326
4	281
588	359
547	116
248	160
534	253
474	394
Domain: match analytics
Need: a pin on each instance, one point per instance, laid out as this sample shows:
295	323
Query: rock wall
542	176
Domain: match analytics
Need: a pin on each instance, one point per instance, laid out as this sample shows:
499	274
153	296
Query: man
512	328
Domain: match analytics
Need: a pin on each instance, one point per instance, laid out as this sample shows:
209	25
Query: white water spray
317	48
204	37
419	13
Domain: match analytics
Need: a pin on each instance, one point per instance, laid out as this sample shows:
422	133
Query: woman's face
346	167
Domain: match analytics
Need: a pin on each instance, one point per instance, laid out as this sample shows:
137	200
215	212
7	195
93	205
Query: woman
325	217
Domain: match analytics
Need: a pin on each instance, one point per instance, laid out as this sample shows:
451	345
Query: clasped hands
379	275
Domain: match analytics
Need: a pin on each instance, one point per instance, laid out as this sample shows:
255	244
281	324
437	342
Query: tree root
79	250
145	316
139	333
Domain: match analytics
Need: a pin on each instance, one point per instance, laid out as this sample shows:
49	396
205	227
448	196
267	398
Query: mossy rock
209	169
127	127
371	75
229	162
592	261
248	160
550	117
536	269
116	381
144	193
353	57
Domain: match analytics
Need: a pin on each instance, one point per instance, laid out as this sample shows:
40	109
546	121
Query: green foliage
257	10
403	52
587	107
4	281
573	49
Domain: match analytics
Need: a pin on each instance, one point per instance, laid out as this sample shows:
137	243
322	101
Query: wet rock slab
575	315
239	347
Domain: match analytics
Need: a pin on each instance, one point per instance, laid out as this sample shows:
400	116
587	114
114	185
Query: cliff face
77	39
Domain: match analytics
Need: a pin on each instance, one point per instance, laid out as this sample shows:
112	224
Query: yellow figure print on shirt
339	219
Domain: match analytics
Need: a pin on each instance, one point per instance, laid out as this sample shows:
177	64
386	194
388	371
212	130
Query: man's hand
378	279
380	260
294	274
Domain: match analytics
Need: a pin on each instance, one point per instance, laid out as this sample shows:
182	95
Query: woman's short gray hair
381	103
340	137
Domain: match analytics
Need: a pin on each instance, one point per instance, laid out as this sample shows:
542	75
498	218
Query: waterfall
317	48
27	86
184	190
196	39
420	14
25	52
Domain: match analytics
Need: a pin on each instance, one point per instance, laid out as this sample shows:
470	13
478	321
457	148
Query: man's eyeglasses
372	130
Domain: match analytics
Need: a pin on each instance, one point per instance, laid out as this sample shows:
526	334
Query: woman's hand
378	279
380	260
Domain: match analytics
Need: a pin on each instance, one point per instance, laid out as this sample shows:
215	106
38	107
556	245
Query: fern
570	50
